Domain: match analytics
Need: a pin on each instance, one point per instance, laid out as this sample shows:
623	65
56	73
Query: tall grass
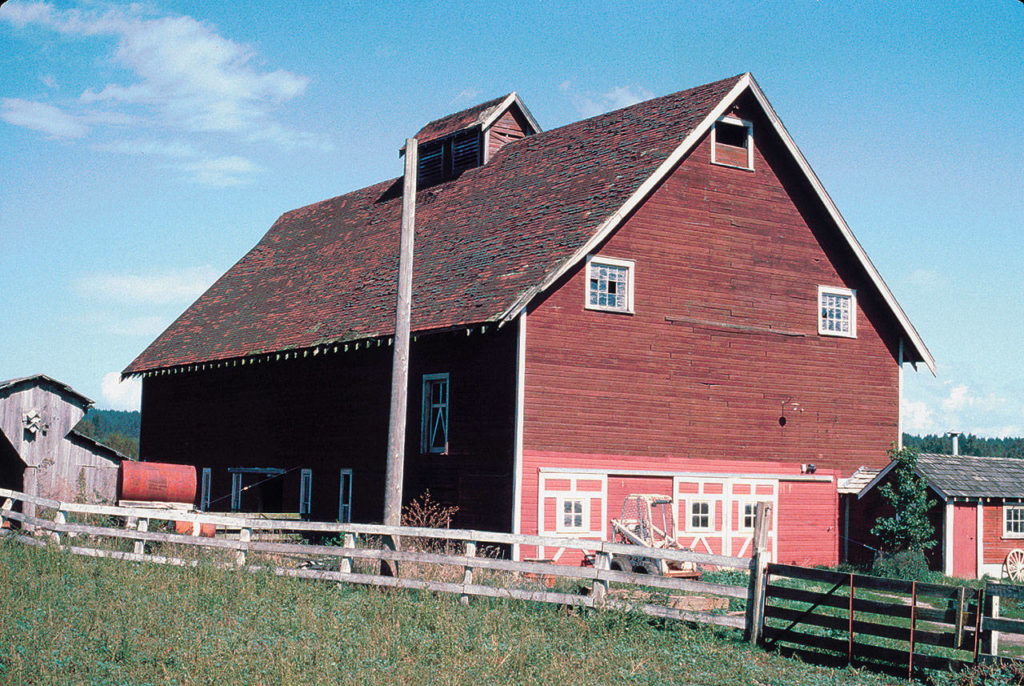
72	620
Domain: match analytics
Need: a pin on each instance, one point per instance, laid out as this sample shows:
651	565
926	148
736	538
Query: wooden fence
440	560
886	624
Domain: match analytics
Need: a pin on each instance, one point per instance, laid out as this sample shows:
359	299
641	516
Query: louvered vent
447	159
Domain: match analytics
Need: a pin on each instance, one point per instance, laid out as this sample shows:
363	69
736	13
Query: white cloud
589	105
142	146
917	418
223	171
185	75
49	81
160	288
121	395
958	399
926	279
41	117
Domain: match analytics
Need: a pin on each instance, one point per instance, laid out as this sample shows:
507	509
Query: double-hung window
609	284
837	312
345	496
434	430
1013	520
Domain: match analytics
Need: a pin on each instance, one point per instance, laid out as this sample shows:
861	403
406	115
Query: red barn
659	299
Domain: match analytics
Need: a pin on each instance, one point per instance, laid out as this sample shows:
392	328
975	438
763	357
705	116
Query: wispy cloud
41	117
181	76
155	288
591	105
224	171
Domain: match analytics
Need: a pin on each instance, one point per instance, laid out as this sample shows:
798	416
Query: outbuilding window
732	143
701	514
434	430
305	492
573	515
609	284
1013	520
837	312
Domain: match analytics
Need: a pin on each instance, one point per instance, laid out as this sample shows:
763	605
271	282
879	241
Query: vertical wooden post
913	625
348	542
59	519
4	509
467	574
602	563
986	634
849	645
245	535
977	622
400	362
143	525
759	567
961	616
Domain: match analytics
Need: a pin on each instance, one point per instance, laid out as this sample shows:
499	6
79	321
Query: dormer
450	145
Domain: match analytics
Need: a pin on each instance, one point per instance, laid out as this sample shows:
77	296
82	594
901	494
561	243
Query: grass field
71	620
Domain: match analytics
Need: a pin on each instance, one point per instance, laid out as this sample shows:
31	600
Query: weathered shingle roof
327	272
11	385
452	123
856	482
973	477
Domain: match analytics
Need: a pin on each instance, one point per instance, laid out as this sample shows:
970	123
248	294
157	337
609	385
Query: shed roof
856	482
486	243
12	385
966	476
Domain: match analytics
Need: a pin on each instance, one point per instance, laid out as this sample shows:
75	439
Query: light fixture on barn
794	407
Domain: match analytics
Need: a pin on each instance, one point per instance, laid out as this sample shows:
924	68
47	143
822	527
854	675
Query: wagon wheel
1015	565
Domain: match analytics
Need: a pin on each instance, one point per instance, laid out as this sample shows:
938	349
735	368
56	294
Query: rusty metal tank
206	529
158	481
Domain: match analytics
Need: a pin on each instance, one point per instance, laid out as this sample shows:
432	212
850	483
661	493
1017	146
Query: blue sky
145	148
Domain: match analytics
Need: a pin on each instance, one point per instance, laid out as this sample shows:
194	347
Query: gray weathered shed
41	454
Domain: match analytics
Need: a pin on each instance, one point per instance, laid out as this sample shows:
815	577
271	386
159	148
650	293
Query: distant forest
114	428
969	444
120	431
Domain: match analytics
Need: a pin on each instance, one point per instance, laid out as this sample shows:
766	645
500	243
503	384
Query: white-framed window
573	514
1013	520
204	489
236	491
732	143
609	284
345	496
305	491
837	311
701	516
434	432
748	515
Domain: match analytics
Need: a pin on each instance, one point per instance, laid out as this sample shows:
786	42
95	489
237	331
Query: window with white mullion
837	312
345	496
609	284
573	515
1013	520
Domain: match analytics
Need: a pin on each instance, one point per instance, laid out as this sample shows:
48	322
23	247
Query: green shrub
906	564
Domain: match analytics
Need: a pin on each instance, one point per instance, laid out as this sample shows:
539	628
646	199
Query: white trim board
610	471
745	83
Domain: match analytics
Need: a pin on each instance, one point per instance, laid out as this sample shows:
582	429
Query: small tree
910	528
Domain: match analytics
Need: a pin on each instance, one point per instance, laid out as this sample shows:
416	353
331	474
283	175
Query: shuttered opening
449	158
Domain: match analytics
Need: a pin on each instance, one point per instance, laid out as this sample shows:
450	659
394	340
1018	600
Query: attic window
609	284
732	143
837	312
448	158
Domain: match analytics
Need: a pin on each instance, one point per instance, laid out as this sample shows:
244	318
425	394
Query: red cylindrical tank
168	483
205	529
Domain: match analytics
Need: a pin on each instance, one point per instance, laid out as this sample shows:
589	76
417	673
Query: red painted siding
808	523
997	545
510	126
723	342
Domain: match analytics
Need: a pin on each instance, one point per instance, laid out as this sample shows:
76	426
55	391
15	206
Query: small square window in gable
609	284
837	312
732	143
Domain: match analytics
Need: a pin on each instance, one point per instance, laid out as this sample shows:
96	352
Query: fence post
59	519
143	525
244	536
349	541
4	509
759	567
602	562
467	574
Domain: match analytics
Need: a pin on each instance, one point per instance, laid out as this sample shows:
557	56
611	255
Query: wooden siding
965	540
330	412
724	341
510	126
996	545
55	464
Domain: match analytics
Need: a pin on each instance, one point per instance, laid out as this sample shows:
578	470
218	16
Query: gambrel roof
487	242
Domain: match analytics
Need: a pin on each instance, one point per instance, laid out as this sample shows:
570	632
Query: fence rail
439	560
